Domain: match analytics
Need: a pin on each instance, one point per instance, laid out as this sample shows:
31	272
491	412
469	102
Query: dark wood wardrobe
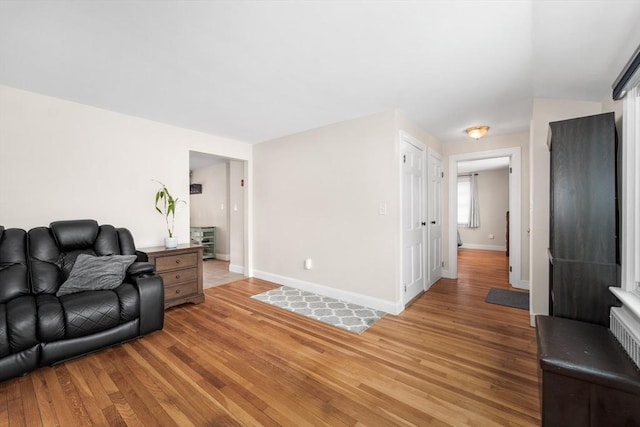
584	221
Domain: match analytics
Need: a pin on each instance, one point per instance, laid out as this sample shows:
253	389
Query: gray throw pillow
91	273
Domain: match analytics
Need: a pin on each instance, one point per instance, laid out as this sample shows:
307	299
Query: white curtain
474	210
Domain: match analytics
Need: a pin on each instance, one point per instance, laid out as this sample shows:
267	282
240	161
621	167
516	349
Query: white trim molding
629	299
630	223
629	291
351	297
233	268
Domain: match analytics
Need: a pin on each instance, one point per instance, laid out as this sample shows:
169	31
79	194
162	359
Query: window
464	199
631	192
626	327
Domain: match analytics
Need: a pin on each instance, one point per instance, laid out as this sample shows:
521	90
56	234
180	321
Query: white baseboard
522	284
352	297
532	320
501	248
223	257
446	274
236	268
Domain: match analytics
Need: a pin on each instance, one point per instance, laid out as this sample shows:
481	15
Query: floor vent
621	320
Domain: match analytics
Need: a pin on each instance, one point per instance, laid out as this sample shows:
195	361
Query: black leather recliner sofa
38	328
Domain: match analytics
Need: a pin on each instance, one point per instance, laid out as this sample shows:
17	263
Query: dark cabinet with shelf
583	232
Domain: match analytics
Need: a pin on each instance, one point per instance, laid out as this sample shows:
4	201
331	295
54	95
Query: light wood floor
216	272
449	359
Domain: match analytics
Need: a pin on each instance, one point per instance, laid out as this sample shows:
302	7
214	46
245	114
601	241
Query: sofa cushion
90	273
76	234
4	333
51	319
44	256
90	312
14	280
107	241
22	323
129	298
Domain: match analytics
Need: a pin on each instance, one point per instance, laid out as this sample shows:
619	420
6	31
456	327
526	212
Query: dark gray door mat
509	298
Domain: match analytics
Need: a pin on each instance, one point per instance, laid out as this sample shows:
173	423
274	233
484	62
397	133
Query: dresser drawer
180	291
179	276
172	262
181	272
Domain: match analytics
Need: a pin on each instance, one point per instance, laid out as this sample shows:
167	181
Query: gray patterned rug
351	317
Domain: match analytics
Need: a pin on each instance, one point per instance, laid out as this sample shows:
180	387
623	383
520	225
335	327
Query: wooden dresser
181	271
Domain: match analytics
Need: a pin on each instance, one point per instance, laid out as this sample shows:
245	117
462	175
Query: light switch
382	209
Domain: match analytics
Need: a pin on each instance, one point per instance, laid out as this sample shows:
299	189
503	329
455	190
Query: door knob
433	222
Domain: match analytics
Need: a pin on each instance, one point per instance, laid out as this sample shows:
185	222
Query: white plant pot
170	242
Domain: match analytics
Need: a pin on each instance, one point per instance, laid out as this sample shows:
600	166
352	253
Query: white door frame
405	137
434	154
515	211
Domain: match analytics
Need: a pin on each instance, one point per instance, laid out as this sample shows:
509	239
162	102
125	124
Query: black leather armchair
41	328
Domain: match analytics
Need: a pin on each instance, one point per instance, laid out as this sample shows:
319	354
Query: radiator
620	320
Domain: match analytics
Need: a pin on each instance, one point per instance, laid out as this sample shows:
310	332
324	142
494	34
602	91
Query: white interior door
413	219
435	219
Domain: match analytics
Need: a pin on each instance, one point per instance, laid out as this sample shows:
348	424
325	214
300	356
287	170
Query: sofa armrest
151	291
139	268
142	256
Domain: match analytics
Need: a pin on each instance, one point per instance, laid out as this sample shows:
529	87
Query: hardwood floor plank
30	405
14	405
448	359
72	396
4	410
142	401
92	395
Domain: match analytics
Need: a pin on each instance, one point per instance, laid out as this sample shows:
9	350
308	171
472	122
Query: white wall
493	200
63	160
545	111
405	125
211	207
317	195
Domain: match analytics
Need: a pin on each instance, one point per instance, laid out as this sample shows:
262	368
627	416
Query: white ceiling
257	70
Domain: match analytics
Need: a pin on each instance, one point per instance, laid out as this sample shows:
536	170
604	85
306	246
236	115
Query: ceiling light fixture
477	132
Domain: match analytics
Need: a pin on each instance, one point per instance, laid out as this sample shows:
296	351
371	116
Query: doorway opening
483	218
514	203
217	208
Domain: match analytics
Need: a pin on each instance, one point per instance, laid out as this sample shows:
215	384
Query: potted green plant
166	206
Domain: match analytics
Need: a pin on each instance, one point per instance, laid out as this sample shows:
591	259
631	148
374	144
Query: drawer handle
177	276
177	261
177	291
